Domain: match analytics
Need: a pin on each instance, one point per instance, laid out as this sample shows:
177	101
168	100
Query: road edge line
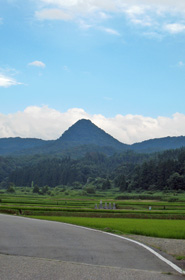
174	266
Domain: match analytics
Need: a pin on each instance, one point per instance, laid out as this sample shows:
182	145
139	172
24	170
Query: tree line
128	171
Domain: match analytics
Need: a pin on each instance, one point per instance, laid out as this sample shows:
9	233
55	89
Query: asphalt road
71	251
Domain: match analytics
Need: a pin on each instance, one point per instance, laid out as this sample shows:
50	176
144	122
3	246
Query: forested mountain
48	170
17	145
81	138
84	132
159	144
128	171
86	154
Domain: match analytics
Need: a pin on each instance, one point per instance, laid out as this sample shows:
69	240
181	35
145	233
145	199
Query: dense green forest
129	171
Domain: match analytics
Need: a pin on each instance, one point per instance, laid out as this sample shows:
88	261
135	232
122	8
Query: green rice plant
148	227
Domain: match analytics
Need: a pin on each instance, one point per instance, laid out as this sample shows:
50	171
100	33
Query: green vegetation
179	258
132	216
155	228
64	179
127	172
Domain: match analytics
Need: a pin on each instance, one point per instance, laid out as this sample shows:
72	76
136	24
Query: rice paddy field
153	227
154	217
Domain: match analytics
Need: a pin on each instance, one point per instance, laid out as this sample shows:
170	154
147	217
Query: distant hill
81	138
159	144
12	145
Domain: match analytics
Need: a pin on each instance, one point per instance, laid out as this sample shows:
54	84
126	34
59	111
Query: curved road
75	247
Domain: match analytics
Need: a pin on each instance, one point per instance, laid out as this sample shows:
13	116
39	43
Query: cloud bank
47	123
166	16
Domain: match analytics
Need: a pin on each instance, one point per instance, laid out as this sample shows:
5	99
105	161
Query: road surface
37	249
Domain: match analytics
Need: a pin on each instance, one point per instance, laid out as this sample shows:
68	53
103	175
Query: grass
155	228
83	206
179	258
88	211
132	216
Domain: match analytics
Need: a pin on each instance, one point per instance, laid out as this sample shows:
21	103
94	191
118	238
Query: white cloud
1	20
37	64
113	4
139	15
40	122
175	28
47	123
84	25
148	14
53	14
83	6
7	81
110	31
104	15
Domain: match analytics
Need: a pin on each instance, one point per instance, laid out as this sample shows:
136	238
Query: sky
119	63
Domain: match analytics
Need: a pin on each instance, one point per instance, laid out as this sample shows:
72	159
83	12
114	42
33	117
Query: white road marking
174	266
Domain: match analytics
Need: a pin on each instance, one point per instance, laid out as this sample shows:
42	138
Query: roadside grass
147	227
179	258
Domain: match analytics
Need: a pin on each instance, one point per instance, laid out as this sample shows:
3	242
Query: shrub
90	190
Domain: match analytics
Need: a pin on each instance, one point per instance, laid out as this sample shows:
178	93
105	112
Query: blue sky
120	63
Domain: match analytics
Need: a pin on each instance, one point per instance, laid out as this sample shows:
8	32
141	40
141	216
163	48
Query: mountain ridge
84	136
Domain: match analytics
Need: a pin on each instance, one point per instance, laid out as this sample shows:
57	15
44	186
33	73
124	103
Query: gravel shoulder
170	248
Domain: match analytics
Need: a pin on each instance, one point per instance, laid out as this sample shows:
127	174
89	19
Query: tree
44	189
90	190
176	181
106	185
10	189
120	182
36	189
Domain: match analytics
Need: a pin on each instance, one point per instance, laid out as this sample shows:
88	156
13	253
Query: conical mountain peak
86	132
